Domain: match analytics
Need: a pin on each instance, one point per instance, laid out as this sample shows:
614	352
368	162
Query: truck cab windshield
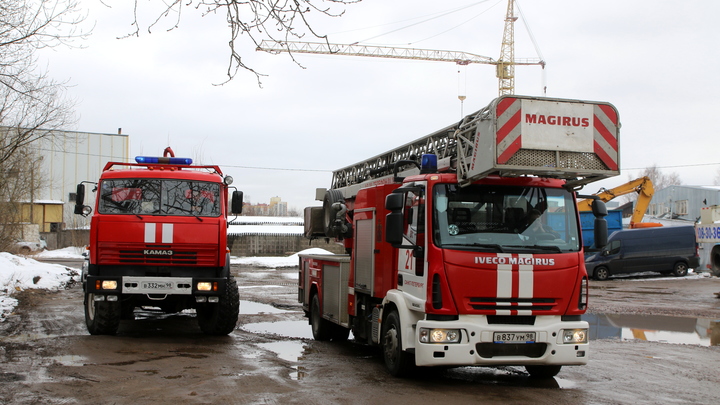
504	218
159	197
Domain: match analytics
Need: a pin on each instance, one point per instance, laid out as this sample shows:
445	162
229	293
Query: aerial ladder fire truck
643	186
464	247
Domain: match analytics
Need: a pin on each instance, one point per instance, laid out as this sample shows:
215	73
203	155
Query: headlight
106	284
207	286
572	336
439	335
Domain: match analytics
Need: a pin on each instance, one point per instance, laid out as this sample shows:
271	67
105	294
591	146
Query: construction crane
645	190
505	65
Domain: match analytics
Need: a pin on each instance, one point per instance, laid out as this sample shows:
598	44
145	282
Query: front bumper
155	285
476	345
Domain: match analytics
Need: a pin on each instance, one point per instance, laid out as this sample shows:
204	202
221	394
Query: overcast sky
657	62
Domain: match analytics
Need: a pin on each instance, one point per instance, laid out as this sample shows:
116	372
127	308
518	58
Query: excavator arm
645	190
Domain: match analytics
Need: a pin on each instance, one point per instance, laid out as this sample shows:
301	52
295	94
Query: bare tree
32	104
276	20
659	180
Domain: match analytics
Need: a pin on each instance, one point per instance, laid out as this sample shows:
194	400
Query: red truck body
158	239
464	263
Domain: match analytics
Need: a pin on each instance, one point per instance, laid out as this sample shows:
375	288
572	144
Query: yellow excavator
645	190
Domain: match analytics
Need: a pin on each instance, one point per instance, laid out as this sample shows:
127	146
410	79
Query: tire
322	329
331	197
220	318
397	361
680	269
543	371
101	317
601	273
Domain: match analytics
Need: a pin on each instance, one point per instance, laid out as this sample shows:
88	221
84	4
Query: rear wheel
543	371
322	329
398	362
101	317
601	273
220	318
680	269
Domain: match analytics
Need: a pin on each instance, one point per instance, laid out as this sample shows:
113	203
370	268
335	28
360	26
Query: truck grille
512	304
490	350
158	255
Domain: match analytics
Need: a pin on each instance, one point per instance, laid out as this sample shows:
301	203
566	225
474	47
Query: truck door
412	274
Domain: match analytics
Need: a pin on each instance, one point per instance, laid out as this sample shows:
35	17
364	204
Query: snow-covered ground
19	273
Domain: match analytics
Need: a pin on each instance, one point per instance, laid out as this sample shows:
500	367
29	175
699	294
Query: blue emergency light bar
428	163
143	160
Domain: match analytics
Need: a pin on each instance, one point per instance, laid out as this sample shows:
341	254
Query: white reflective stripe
525	278
504	281
167	233
149	232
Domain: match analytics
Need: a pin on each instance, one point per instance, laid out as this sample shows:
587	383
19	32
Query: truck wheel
680	269
543	371
398	362
601	274
322	329
715	261
101	317
220	318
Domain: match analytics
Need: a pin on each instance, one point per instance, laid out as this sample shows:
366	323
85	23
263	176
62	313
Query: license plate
514	337
157	286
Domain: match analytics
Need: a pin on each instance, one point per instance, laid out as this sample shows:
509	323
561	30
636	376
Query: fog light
439	335
204	286
214	299
572	336
200	298
112	298
99	298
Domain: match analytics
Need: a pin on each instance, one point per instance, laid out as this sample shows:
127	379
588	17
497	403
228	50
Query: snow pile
275	262
20	273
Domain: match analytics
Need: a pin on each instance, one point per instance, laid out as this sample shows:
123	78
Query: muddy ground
47	356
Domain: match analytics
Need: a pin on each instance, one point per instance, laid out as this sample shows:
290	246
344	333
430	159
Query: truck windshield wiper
539	247
480	245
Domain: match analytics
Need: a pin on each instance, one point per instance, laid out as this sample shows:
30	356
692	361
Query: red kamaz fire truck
158	238
464	247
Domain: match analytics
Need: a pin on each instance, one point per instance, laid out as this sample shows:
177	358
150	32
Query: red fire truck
158	239
464	247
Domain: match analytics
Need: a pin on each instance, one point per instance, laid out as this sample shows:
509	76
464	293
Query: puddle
286	350
255	308
655	328
290	329
69	360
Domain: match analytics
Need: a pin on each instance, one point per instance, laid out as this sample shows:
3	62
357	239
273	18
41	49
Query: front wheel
220	318
680	269
543	371
601	273
101	317
398	362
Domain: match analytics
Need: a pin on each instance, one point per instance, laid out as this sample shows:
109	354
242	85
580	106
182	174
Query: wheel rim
91	306
602	274
391	346
681	269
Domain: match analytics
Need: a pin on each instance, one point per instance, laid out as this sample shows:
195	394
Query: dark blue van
667	250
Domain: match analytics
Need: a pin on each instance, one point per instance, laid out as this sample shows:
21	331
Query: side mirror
394	227
80	207
394	202
236	204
